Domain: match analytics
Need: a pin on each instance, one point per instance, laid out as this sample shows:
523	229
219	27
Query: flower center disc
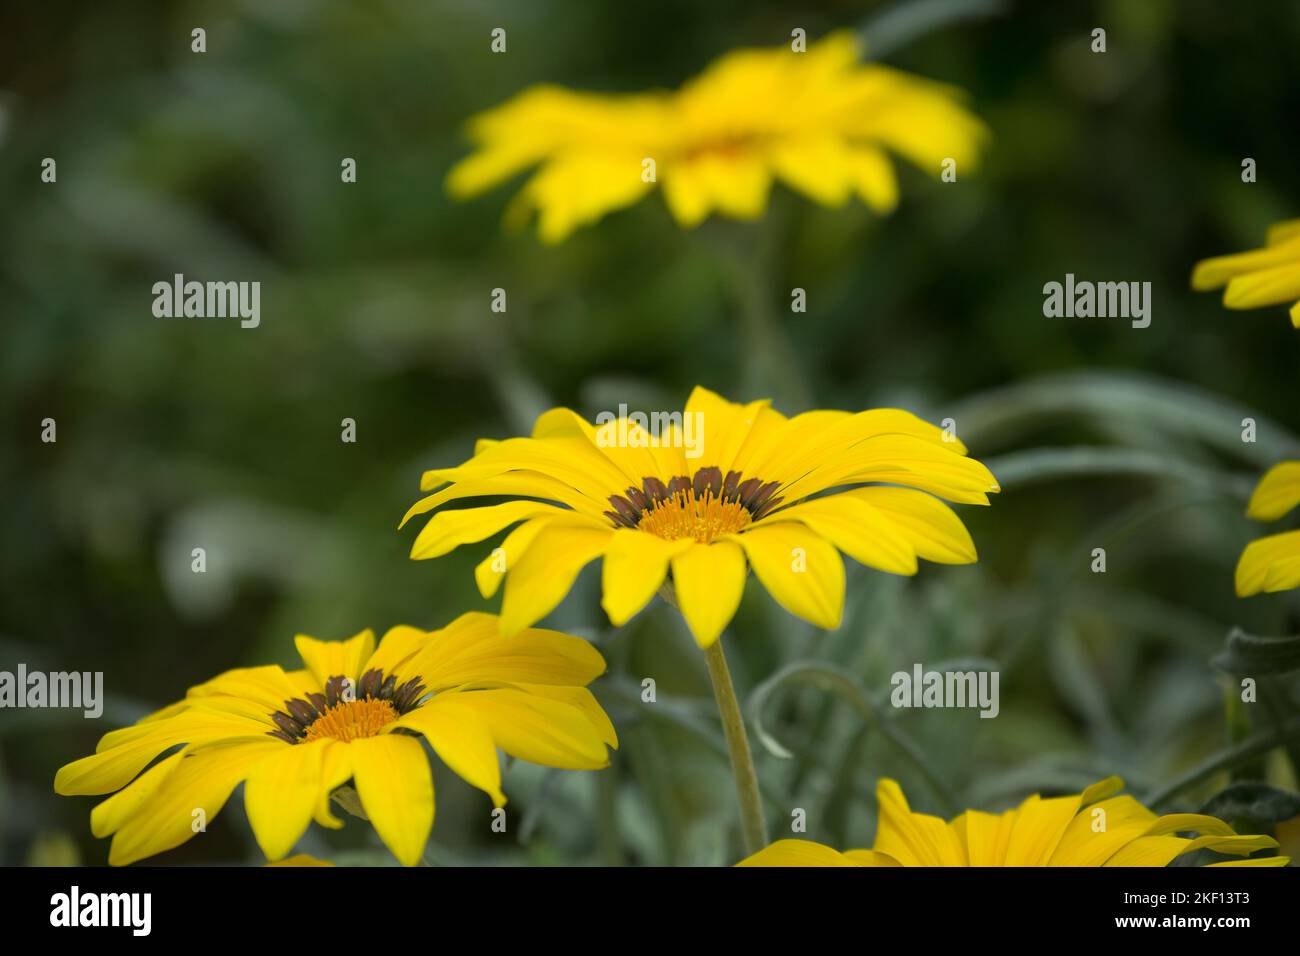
351	720
683	515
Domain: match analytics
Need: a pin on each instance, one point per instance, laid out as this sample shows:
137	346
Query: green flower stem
753	828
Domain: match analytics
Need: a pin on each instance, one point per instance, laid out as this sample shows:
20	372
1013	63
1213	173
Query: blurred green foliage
174	434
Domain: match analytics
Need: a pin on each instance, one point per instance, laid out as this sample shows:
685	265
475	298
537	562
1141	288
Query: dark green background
174	434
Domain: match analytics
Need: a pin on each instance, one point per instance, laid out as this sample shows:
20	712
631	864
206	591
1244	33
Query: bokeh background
175	434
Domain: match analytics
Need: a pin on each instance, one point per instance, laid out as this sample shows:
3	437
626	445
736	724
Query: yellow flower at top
1093	828
698	500
821	121
356	713
1272	563
1261	277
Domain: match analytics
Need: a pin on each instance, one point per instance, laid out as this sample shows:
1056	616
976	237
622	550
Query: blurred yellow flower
820	121
698	498
1272	563
1093	828
1268	276
356	712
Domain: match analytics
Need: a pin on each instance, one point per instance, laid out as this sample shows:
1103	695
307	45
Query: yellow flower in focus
1093	828
355	713
1268	276
717	490
821	121
1272	563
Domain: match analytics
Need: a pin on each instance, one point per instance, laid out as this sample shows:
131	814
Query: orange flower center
702	506
352	720
347	710
685	516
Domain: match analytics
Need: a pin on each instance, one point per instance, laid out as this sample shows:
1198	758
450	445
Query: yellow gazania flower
1268	276
1272	563
777	494
356	712
820	121
1093	828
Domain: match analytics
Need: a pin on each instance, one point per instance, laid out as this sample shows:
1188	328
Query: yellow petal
872	175
574	461
491	571
193	793
797	853
708	580
301	859
1040	825
1148	851
1101	830
929	526
1233	843
281	794
523	484
538	729
860	530
461	739
634	457
922	120
913	839
448	530
398	647
543	576
902	460
1277	492
267	686
817	165
803	443
871	858
686	192
336	770
799	568
472	649
396	790
584	700
1212	273
124	753
1268	564
1266	287
1262	861
109	815
986	836
1180	822
326	659
635	565
726	426
582	187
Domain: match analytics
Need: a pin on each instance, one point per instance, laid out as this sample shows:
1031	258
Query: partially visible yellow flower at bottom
356	713
1260	277
1272	563
1097	827
301	859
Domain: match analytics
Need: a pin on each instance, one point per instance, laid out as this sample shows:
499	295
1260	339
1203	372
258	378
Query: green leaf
1052	464
901	23
1247	655
1254	801
835	681
1136	406
1234	756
